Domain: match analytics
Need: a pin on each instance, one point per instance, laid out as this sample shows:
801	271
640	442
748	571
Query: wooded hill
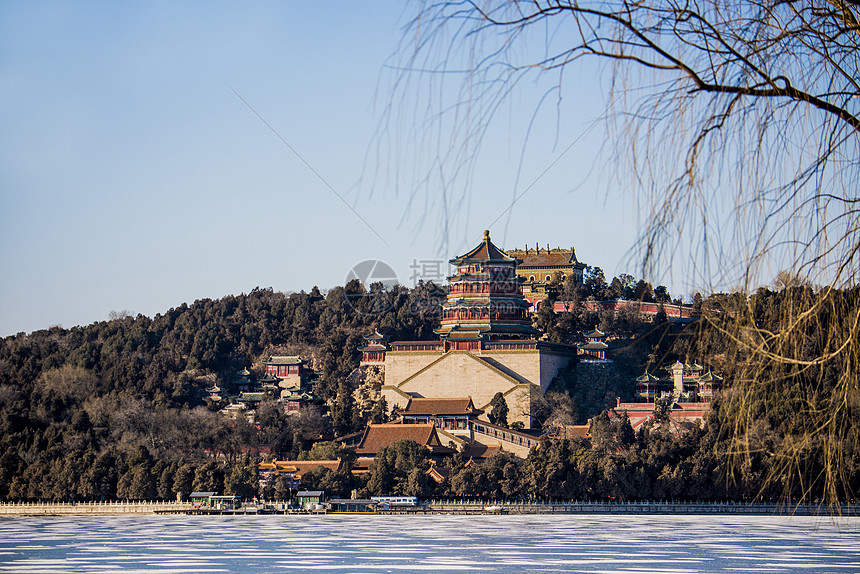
115	409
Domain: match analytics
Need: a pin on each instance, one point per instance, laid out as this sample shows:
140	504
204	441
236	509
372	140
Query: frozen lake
373	544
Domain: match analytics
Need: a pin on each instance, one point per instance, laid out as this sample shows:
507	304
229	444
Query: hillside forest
117	410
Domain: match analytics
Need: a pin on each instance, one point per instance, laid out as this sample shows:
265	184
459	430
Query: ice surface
379	544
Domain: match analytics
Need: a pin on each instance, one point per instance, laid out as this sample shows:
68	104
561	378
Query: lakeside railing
642	507
461	506
93	507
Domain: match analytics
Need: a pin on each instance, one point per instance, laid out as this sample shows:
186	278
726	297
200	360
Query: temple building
486	345
485	300
379	436
242	382
450	414
373	353
286	368
685	394
685	382
650	388
594	348
539	267
291	378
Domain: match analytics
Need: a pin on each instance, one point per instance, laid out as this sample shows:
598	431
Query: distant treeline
116	409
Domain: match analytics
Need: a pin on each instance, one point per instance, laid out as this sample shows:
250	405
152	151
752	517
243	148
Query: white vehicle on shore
389	502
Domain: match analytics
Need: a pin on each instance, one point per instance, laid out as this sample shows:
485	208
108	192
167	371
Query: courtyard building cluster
487	344
540	268
442	393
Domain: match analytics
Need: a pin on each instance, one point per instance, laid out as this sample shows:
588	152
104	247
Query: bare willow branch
736	126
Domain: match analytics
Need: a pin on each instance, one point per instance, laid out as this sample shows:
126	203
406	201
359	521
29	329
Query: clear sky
133	178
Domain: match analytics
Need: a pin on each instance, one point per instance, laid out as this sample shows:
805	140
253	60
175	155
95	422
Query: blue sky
133	178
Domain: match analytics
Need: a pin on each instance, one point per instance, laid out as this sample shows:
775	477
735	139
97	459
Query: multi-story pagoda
487	344
485	300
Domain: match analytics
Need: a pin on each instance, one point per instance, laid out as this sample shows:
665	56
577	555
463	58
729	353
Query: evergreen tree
498	410
282	489
242	480
394	470
379	412
208	478
183	480
343	413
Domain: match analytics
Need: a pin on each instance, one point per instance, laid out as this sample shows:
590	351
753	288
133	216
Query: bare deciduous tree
737	126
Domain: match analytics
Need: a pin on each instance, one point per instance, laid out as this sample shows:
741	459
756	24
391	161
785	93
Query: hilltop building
373	353
450	414
539	267
239	396
291	370
486	344
594	348
646	309
685	382
242	382
683	397
291	376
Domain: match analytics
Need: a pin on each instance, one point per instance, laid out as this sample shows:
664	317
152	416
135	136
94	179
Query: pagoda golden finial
486	235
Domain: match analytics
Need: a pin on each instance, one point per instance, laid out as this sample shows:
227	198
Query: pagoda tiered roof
376	337
594	346
487	299
488	302
473	331
284	360
486	251
647	378
596	334
376	342
710	377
